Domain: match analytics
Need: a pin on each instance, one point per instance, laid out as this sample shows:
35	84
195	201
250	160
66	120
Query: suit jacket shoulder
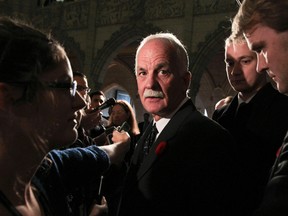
228	110
276	195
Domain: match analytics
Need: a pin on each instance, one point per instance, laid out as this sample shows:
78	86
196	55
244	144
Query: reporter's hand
99	209
120	136
120	146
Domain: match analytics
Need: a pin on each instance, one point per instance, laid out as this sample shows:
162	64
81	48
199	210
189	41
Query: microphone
106	104
125	126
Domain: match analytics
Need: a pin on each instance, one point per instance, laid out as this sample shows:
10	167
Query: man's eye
257	49
164	72
245	61
229	63
141	73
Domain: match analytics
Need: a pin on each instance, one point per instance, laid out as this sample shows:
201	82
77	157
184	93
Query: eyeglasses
58	85
83	88
64	85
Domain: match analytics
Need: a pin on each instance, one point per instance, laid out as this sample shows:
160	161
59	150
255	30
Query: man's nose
78	101
236	69
262	65
150	80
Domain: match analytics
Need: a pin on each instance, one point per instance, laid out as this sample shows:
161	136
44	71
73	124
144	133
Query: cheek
173	86
50	117
57	129
285	77
246	72
140	89
53	111
49	120
140	86
228	73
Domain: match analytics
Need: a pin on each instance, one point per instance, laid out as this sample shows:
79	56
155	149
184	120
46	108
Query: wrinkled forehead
160	51
155	46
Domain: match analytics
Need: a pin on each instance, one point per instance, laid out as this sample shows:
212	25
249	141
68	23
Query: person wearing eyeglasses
89	118
82	84
38	110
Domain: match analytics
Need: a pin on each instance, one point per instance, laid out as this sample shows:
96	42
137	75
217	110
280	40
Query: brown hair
271	13
26	52
132	118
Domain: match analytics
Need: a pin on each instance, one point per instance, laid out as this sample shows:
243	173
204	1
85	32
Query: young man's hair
97	92
79	74
271	13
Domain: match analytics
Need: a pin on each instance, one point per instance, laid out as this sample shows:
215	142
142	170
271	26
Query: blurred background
101	37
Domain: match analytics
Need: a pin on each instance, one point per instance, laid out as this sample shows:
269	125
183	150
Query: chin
152	110
282	89
68	139
74	136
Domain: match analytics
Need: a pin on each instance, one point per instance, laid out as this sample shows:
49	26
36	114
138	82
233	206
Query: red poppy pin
160	148
278	152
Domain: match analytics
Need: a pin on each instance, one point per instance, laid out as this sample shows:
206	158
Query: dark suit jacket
276	194
258	130
187	172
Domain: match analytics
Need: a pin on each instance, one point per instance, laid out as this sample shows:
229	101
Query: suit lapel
228	114
168	132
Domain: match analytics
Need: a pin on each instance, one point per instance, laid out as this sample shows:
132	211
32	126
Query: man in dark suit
264	25
188	169
251	118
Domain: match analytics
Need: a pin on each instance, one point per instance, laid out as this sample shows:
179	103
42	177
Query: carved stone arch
74	52
126	35
206	50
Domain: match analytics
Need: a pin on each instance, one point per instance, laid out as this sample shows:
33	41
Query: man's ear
5	95
188	77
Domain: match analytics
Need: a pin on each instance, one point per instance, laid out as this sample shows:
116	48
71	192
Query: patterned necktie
149	140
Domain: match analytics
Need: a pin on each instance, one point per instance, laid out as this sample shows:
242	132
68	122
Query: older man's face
161	78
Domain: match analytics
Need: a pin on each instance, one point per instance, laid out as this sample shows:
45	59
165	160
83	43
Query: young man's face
241	68
82	86
272	53
97	100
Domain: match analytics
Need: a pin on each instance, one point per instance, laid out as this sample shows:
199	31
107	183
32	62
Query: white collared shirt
240	101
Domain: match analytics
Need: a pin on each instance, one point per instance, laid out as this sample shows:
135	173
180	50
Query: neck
18	162
246	96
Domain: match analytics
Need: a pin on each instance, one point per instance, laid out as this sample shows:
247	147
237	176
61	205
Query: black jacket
276	194
258	129
188	170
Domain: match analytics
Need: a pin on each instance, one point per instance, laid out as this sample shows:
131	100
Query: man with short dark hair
97	99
